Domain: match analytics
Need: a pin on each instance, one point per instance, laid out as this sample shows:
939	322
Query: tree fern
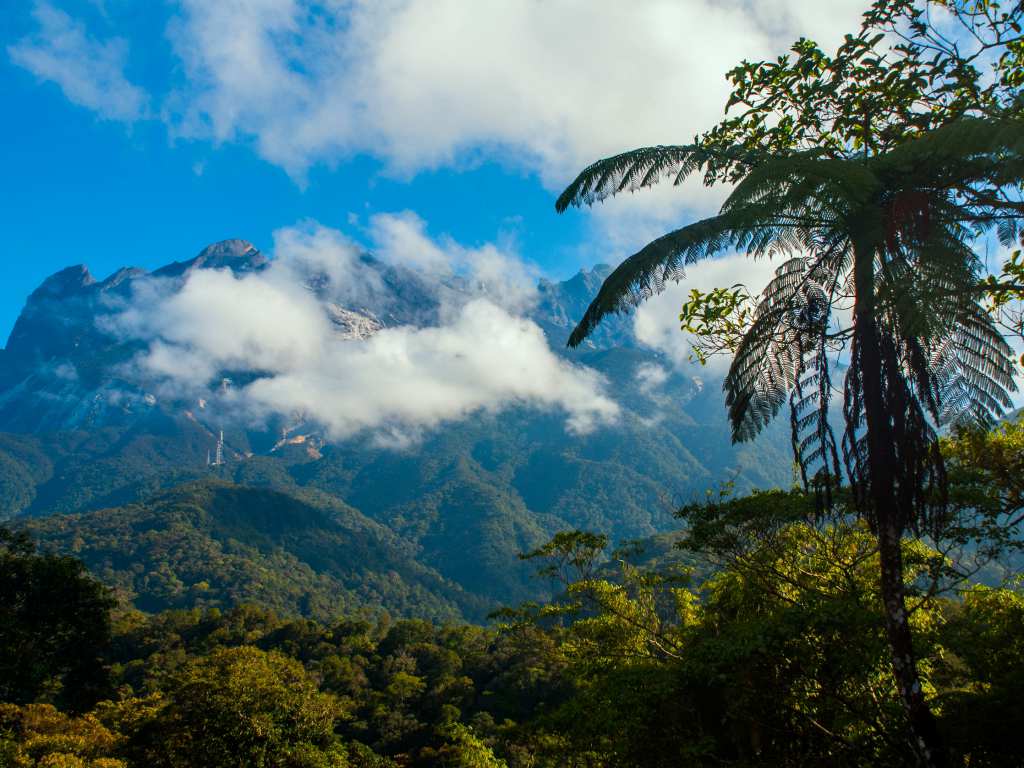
870	175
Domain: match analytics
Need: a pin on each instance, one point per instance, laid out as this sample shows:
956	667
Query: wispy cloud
88	70
489	270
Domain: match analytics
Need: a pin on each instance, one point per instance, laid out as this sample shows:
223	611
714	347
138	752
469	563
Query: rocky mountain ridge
77	435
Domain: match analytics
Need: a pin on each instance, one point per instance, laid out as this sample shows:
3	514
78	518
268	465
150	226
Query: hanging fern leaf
641	168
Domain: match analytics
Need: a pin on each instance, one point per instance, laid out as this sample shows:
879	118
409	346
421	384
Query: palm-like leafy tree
870	174
890	233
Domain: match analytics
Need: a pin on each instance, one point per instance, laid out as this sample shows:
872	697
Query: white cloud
650	377
217	321
310	251
401	238
488	270
422	83
393	384
486	359
89	71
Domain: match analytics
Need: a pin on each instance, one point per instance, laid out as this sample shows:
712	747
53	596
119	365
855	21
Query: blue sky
136	133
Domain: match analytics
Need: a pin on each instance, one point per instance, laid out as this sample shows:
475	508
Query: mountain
63	371
81	430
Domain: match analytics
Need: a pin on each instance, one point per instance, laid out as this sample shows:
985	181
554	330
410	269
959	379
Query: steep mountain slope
85	431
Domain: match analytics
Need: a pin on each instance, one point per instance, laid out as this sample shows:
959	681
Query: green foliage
466	750
575	550
40	736
217	544
780	659
990	463
54	627
984	671
699	682
244	706
718	318
903	74
23	467
776	657
986	471
1005	294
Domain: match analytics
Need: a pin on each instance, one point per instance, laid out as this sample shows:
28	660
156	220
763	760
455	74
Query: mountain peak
226	250
120	277
238	255
65	283
586	283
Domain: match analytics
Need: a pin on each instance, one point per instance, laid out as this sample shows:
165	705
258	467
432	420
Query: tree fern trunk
886	506
904	663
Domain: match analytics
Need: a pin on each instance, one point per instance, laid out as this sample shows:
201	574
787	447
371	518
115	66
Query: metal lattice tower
218	454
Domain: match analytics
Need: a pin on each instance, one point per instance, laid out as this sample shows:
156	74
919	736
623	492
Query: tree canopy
872	174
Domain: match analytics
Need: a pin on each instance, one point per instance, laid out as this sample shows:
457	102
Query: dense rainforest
756	638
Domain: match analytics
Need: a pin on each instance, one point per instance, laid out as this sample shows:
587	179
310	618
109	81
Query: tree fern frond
814	442
957	155
646	272
1007	231
974	370
804	186
640	168
789	321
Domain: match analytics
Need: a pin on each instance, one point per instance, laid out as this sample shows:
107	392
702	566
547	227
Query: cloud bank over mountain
276	327
420	85
540	88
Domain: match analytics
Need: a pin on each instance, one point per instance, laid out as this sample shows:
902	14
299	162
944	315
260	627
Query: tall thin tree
872	174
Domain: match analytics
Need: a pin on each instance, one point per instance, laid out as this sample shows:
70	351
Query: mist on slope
320	334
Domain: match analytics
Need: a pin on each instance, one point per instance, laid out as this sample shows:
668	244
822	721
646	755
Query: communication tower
218	454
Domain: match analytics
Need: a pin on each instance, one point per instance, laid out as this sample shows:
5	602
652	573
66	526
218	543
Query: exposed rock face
61	368
562	304
353	325
240	256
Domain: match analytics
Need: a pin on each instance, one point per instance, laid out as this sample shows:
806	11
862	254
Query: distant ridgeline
175	505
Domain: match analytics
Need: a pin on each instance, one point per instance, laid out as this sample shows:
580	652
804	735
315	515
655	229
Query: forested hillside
778	657
216	544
